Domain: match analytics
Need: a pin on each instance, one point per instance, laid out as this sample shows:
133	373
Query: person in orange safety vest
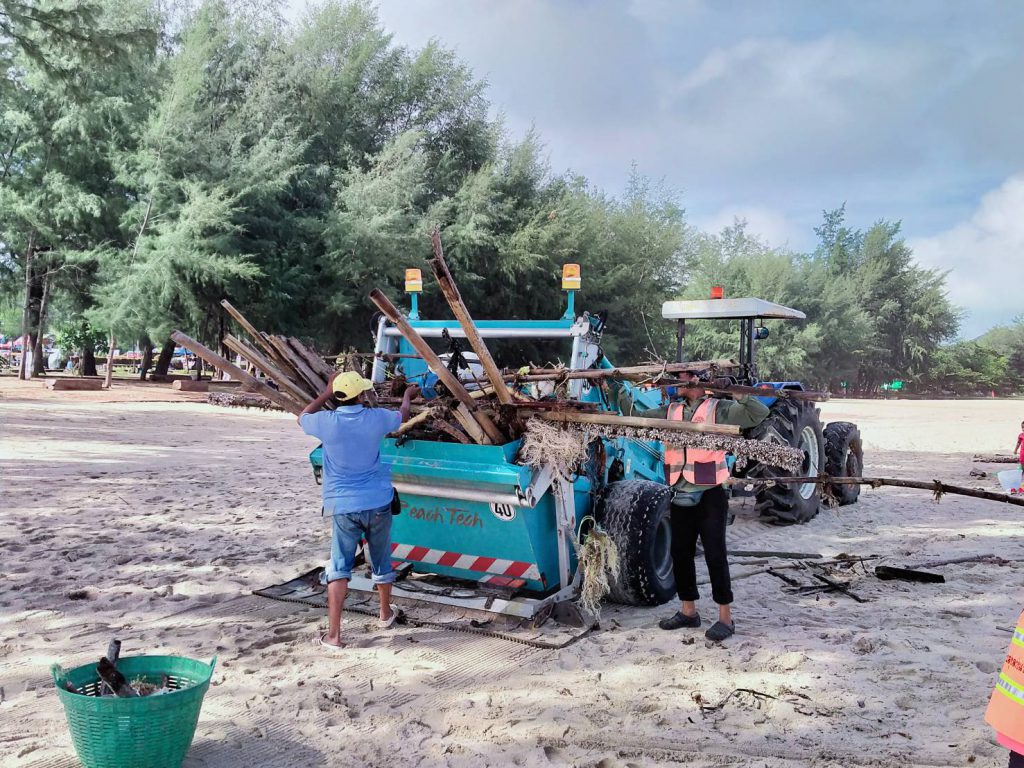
1006	707
700	503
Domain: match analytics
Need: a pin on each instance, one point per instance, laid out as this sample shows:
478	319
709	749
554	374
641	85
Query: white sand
144	510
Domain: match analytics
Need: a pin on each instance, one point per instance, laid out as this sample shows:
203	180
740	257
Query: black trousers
706	521
1016	760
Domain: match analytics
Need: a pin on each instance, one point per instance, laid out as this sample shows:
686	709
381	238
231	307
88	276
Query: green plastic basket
144	732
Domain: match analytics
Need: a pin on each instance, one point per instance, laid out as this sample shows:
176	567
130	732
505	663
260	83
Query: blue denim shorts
347	530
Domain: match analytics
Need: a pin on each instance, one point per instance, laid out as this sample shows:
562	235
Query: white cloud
768	225
985	256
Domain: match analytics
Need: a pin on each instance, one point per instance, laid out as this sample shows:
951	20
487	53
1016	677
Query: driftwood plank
252	382
639	422
629	373
317	363
267	368
289	368
454	299
258	337
437	367
312	379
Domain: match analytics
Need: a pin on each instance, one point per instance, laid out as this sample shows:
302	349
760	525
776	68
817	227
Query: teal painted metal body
496	529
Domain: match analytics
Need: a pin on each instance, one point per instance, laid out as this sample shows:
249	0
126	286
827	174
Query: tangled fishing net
547	443
599	563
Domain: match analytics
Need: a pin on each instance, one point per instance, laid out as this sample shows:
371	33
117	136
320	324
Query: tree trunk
110	361
38	366
147	356
163	363
88	362
221	333
27	309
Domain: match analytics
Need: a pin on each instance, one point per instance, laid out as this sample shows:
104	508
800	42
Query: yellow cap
350	384
570	277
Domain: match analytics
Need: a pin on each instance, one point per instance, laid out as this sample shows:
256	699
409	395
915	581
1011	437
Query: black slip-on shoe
718	631
679	620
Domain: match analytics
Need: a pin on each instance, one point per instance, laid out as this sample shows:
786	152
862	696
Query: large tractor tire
796	424
636	514
844	457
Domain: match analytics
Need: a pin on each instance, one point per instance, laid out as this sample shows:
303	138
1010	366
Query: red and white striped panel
493	565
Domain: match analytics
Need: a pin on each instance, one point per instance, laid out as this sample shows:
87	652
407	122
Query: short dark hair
349	401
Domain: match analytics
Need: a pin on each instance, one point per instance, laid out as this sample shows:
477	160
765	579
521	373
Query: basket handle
58	672
213	663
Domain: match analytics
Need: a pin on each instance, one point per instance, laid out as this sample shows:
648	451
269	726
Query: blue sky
773	111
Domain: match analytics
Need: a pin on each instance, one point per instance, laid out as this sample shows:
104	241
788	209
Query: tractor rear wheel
844	457
637	515
795	424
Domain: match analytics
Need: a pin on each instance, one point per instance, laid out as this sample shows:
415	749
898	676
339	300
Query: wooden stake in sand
434	363
454	298
253	383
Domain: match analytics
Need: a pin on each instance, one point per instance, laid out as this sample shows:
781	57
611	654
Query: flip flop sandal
396	614
329	648
678	620
719	631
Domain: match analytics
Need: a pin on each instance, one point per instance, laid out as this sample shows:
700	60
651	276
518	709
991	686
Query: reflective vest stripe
1018	637
1007	687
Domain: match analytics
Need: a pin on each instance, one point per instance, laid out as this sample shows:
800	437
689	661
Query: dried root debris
548	443
599	561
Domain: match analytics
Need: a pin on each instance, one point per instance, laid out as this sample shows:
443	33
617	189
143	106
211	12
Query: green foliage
77	335
968	368
157	157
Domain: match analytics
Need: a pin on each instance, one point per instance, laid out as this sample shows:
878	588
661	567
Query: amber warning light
571	277
413	281
717	292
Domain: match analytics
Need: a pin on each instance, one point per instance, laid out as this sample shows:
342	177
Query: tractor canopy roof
728	309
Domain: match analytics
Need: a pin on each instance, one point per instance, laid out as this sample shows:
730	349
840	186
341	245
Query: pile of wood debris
500	408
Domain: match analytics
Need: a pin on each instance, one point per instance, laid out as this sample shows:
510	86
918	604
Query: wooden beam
294	368
434	363
465	418
316	363
253	383
935	486
637	422
630	373
255	333
416	420
450	429
268	369
738	389
454	299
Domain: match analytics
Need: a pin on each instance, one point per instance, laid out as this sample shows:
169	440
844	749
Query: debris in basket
146	688
113	683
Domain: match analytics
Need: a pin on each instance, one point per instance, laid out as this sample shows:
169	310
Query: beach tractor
480	530
835	449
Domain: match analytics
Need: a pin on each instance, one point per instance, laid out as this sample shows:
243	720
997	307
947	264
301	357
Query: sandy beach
151	516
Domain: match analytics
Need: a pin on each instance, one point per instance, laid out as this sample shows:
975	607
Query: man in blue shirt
357	489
